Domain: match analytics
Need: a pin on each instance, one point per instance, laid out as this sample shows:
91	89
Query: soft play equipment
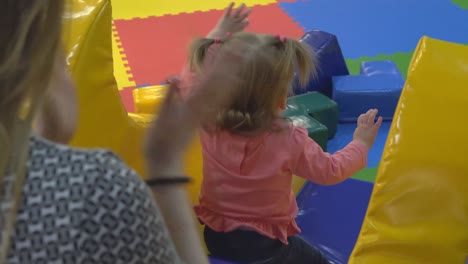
316	130
148	98
331	62
355	94
318	106
378	67
418	212
331	216
103	120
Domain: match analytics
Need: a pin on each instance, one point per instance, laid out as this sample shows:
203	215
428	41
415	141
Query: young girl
250	154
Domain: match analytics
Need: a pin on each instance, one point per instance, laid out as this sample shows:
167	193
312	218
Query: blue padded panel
331	216
331	62
357	94
370	68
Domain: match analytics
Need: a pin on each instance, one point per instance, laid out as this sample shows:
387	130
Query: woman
67	205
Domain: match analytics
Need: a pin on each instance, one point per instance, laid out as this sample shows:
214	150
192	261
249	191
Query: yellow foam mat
121	69
418	212
126	9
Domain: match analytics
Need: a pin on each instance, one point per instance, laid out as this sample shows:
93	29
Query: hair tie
217	40
281	38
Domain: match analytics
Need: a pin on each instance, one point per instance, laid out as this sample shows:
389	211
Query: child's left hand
231	22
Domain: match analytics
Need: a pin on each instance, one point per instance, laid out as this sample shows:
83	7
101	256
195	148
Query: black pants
250	247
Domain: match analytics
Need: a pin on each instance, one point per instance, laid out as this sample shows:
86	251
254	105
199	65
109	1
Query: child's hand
367	129
232	21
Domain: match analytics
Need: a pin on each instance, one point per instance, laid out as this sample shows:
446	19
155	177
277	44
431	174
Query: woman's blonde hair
266	78
30	34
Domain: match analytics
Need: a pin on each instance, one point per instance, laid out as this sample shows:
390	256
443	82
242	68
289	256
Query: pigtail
198	52
306	63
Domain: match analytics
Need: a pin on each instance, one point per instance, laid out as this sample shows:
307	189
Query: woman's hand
173	130
232	21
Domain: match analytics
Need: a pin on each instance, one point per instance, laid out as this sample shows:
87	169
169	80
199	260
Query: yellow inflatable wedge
418	212
103	120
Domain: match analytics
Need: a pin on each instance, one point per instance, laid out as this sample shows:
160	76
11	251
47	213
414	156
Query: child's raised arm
312	163
232	21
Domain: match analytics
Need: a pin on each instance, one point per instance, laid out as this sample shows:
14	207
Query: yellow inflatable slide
418	212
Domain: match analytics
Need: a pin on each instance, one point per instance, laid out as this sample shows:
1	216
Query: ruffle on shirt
221	223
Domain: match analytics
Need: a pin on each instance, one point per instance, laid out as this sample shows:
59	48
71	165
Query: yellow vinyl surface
418	212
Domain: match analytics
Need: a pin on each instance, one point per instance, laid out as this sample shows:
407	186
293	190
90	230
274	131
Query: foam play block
357	94
331	216
319	107
370	68
331	62
317	131
292	111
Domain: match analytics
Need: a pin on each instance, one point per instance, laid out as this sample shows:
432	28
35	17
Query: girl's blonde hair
266	78
30	34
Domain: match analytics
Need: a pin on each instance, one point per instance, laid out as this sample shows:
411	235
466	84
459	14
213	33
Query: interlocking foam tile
125	9
371	28
156	47
121	69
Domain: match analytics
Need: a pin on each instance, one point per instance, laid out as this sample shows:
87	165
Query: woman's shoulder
108	204
60	158
45	149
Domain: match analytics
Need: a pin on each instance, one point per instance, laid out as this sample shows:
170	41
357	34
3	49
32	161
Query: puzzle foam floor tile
122	73
371	28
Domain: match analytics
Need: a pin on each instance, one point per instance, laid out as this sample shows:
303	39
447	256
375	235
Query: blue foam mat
331	216
344	135
371	28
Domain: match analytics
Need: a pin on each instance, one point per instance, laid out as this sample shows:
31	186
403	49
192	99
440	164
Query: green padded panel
317	131
319	107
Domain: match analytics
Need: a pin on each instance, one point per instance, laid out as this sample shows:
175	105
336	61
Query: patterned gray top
86	206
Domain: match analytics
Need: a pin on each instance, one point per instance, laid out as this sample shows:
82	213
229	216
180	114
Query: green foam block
317	131
318	106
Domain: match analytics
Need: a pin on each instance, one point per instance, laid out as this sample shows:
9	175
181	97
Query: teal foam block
316	131
318	106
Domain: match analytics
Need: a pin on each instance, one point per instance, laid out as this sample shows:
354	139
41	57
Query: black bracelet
168	180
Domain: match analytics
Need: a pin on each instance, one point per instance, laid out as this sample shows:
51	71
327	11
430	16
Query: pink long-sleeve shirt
247	180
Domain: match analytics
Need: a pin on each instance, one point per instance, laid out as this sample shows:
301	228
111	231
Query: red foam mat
156	47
